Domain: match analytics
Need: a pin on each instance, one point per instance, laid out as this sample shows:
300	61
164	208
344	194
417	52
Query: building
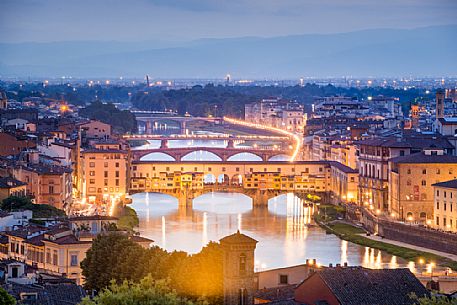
344	183
95	130
11	187
13	143
276	113
104	172
374	155
339	106
3	101
58	250
238	269
411	195
445	206
46	184
357	285
10	220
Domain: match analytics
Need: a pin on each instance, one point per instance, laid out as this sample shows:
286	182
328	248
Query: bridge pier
186	198
260	199
163	144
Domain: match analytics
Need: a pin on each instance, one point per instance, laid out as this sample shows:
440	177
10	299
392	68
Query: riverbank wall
411	234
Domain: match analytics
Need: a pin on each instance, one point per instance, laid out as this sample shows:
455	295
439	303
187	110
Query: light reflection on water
286	232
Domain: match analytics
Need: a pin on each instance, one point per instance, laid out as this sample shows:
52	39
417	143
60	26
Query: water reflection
285	230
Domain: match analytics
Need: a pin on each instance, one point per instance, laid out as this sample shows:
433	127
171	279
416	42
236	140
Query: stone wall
411	234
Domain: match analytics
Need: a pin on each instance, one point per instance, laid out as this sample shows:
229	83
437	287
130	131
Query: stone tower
238	269
439	104
3	101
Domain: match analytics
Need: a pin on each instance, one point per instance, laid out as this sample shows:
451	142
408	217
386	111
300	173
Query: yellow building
445	206
262	181
11	187
411	195
344	183
58	251
104	173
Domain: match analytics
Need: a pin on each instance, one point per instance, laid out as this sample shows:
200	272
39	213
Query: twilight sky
177	20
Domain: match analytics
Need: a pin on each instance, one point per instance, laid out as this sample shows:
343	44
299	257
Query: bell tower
238	269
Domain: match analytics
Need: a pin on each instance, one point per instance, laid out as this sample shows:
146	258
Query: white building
10	220
445	209
277	113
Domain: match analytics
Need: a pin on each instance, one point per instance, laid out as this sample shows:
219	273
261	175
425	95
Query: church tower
439	104
238	269
3	101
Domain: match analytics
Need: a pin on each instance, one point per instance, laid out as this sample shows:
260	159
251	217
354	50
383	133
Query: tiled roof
8	182
357	285
238	238
92	217
343	167
423	158
281	293
417	141
452	184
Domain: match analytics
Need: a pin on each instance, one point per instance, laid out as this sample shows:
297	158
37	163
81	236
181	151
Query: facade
47	184
11	187
95	130
58	250
238	269
344	183
374	155
445	206
14	143
411	195
276	113
104	173
10	220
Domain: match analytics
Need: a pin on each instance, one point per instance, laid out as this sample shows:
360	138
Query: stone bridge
224	153
260	197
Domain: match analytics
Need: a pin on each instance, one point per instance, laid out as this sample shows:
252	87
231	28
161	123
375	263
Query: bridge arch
209	179
201	155
157	156
280	157
223	179
244	156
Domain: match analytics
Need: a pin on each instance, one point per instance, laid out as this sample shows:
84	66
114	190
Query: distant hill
430	51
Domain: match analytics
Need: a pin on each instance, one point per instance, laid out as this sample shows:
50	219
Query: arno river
286	233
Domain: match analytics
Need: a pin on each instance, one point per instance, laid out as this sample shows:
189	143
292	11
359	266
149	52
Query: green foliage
115	257
123	121
434	300
128	220
147	292
6	298
13	203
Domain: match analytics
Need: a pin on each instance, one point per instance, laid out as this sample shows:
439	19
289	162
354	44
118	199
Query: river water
286	233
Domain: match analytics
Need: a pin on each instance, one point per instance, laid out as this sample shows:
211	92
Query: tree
112	256
6	298
128	220
147	292
434	300
13	203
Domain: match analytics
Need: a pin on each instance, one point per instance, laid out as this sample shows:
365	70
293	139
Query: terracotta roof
8	182
140	239
237	238
92	217
452	184
423	158
281	293
343	167
357	285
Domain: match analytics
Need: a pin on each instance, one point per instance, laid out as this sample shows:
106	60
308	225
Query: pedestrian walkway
410	246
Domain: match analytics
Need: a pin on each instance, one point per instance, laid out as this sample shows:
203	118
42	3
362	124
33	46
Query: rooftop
424	158
452	184
8	182
238	238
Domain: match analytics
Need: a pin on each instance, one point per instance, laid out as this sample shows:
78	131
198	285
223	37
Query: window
444	206
91	164
106	174
74	260
437	205
117	164
117	174
283	279
51	189
117	182
92	181
105	164
92	173
408	182
105	182
437	221
424	183
242	263
423	215
402	152
408	171
424	172
438	171
54	258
